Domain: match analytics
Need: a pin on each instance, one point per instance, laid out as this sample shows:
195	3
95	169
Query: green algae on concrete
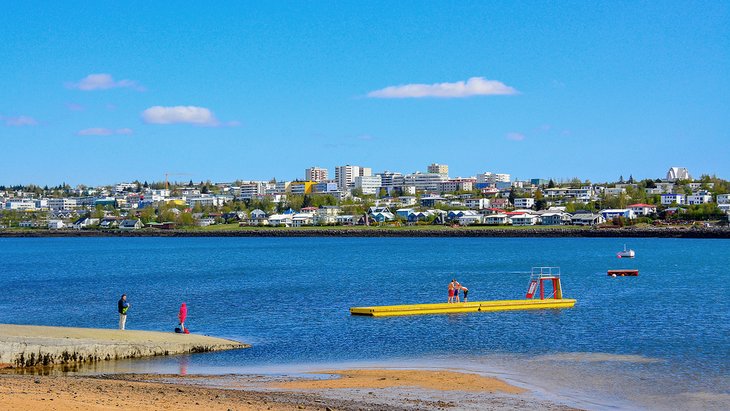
30	345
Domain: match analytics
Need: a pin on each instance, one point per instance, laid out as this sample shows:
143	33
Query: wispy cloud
475	86
100	131
515	136
75	107
200	116
19	121
103	81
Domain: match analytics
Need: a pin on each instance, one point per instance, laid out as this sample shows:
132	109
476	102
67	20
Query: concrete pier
30	345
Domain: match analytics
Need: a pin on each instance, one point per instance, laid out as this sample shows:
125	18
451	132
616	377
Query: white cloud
19	121
180	114
515	136
100	131
103	81
475	86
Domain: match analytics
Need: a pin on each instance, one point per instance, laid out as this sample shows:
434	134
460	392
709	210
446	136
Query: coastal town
355	195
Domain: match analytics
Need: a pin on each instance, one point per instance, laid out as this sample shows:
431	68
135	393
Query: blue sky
131	90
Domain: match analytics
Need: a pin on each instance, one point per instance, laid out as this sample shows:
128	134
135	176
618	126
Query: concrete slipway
30	345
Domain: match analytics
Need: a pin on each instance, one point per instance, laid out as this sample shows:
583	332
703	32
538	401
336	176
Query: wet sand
370	389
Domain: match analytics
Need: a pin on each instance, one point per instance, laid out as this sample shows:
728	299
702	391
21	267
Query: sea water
658	340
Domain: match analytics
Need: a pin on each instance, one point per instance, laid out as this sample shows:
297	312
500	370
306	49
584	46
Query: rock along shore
30	345
658	232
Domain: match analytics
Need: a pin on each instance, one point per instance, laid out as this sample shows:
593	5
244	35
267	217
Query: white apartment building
252	189
20	204
61	204
316	174
723	199
390	179
668	199
699	199
424	181
457	184
436	168
125	186
527	202
345	175
477	203
368	184
492	178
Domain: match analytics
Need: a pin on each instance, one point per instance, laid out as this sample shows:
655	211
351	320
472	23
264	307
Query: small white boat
626	253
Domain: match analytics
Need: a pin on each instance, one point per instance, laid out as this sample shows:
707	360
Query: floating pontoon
538	278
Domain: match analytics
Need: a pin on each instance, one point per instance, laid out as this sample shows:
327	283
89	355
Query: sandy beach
368	389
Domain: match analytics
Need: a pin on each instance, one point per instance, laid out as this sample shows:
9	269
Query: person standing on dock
466	291
451	291
457	287
122	307
182	316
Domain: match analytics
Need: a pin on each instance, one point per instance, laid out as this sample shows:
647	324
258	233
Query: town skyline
224	91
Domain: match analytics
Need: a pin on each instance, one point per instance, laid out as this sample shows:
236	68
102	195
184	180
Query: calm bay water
664	334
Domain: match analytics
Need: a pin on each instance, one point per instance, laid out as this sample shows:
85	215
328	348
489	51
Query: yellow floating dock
448	308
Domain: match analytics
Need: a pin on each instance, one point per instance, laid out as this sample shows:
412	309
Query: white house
281	220
470	218
525	219
84	222
669	199
609	214
301	219
699	199
55	224
345	219
206	221
643	209
587	219
129	225
496	219
527	202
555	218
477	203
327	215
723	199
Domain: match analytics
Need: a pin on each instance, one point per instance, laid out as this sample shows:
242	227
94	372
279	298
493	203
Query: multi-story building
477	203
723	199
493	178
345	175
456	184
389	179
302	187
699	198
527	202
436	168
669	199
424	181
61	203
325	187
251	189
368	184
20	204
316	174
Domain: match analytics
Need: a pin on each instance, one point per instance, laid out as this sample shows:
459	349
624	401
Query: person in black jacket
122	307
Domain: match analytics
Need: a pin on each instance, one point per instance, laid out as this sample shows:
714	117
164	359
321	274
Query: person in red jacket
182	316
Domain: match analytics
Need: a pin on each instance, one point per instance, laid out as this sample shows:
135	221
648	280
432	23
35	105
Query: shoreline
345	390
391	232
